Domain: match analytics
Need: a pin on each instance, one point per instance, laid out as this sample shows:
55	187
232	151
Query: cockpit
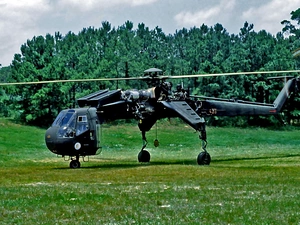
74	132
70	124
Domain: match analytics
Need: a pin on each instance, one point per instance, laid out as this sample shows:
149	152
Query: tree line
126	52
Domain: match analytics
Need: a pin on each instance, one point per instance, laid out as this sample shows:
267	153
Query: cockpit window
58	118
82	119
67	125
82	125
66	119
63	118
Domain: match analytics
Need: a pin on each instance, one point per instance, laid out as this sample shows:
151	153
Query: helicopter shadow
114	164
257	158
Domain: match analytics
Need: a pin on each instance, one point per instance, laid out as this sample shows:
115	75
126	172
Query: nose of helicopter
50	137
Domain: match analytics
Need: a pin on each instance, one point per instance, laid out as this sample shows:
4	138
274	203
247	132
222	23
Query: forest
126	52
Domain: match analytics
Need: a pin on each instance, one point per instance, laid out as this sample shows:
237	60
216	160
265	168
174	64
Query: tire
74	164
144	156
203	158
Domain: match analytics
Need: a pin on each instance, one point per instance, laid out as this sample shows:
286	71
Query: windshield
63	117
66	121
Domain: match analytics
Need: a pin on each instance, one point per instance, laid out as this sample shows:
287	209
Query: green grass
253	178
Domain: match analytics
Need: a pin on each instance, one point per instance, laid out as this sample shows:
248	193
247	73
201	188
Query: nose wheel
74	164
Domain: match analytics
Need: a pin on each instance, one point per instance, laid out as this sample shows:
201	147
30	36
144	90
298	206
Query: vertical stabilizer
284	94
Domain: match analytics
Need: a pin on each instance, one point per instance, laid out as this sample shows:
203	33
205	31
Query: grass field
253	178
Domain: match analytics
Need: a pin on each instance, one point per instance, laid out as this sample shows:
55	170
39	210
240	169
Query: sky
21	20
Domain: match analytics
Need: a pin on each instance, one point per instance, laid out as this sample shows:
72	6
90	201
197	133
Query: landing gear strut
144	155
74	164
145	125
203	157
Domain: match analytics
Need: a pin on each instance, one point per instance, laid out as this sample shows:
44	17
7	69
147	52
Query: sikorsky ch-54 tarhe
75	132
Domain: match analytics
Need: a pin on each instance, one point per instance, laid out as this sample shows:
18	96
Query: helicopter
76	132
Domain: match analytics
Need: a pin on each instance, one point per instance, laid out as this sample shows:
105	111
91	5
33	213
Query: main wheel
144	156
74	164
203	158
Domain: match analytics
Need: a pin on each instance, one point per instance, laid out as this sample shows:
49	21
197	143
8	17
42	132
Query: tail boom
223	107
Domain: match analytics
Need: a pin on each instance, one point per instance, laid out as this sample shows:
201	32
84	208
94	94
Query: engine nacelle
141	95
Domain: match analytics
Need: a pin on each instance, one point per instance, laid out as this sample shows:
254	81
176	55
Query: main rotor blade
231	74
70	81
150	78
